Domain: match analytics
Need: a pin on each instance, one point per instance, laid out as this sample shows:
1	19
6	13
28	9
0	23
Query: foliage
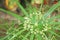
34	25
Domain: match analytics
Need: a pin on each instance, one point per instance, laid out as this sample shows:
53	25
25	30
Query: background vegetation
37	22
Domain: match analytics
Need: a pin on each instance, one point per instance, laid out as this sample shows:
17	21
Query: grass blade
17	34
26	36
39	37
32	37
13	14
52	9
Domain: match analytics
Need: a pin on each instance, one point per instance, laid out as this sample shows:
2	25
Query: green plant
34	25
